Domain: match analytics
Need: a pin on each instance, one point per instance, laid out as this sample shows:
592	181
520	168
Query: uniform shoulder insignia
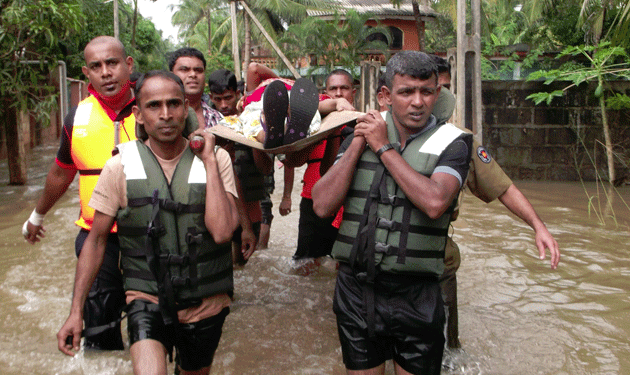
484	155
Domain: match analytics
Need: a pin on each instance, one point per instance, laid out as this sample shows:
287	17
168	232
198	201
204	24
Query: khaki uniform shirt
486	180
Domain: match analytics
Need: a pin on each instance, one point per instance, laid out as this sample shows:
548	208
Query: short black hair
221	80
442	65
133	78
381	82
415	64
342	72
156	73
187	52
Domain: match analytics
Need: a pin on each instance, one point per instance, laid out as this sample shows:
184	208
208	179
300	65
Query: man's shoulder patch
484	155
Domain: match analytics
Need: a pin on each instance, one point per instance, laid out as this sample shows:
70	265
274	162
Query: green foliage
561	21
217	60
607	62
150	49
334	43
618	101
540	97
194	16
31	30
440	34
50	30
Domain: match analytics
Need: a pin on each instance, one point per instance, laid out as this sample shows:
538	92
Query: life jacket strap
127	310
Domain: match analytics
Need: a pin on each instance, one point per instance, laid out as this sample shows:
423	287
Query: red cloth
107	102
337	222
256	95
311	175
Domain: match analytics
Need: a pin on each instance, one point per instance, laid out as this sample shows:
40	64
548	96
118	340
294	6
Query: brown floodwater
517	316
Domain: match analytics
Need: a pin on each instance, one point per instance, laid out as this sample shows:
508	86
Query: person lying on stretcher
281	111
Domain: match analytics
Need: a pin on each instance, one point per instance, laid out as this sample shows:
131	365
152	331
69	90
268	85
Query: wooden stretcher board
329	124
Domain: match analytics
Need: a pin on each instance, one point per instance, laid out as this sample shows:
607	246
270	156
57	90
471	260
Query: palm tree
192	12
333	45
272	14
602	19
594	14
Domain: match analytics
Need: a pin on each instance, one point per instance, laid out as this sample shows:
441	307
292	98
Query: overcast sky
159	13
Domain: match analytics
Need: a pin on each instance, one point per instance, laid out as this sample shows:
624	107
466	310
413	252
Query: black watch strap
381	150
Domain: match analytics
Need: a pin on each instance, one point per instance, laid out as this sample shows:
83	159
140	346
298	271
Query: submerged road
516	315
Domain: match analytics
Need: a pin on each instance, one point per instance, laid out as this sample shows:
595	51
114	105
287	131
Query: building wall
410	33
544	142
408	28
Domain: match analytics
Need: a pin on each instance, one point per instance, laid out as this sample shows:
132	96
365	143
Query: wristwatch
381	150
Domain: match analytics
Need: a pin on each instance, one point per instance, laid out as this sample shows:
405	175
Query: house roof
380	8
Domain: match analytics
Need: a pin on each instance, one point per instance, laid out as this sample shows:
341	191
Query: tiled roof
381	8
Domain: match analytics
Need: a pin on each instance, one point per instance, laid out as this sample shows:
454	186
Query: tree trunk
419	24
134	23
17	133
209	20
248	42
610	158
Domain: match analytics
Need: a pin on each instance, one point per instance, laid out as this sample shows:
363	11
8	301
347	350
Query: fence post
468	89
17	135
370	71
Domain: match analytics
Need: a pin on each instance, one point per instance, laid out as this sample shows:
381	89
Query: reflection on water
516	315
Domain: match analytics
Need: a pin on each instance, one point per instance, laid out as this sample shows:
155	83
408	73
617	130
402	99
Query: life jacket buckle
390	200
180	281
380	247
194	238
384	223
154	232
182	260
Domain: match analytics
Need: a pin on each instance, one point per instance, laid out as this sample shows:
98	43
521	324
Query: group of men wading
157	219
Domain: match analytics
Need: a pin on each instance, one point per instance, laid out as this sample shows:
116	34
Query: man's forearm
221	217
289	176
243	217
263	162
330	153
57	182
431	195
516	202
330	191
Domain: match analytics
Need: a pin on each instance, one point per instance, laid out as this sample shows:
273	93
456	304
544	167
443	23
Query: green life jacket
166	249
382	230
252	181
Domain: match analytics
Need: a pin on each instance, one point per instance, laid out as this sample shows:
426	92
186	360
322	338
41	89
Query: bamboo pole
273	44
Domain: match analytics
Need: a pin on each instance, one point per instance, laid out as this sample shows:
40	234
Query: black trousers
316	236
106	298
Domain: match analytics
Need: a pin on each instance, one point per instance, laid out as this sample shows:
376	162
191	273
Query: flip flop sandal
275	105
303	106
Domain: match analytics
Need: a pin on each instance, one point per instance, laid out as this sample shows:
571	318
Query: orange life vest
93	135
